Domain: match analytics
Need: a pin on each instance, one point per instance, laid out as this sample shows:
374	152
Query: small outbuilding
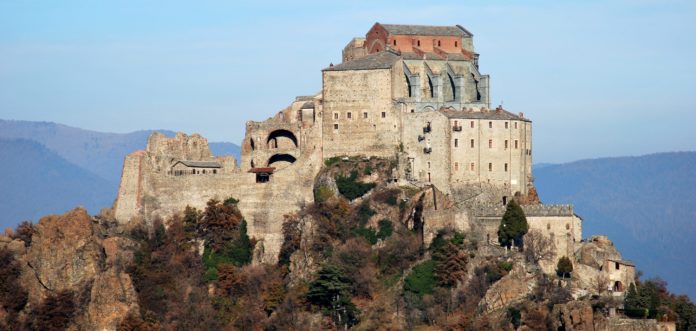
190	167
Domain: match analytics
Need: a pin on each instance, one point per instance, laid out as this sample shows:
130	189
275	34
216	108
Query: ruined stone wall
350	96
127	203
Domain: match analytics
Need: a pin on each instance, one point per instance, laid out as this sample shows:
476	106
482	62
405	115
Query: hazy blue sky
597	78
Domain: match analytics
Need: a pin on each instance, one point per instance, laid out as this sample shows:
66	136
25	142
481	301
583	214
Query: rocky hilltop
366	254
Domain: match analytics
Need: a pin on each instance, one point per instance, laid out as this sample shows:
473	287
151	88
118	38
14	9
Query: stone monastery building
405	92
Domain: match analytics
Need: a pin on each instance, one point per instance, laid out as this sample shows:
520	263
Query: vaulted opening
281	139
276	158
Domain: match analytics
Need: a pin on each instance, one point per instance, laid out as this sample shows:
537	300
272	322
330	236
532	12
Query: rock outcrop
68	253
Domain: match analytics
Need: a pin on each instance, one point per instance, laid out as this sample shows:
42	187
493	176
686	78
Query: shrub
323	193
385	229
331	161
564	267
350	188
368	233
421	280
230	201
24	232
55	313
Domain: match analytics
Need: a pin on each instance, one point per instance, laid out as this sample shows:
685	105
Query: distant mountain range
645	204
48	168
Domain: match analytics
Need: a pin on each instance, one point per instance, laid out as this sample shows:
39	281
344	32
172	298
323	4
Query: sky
597	78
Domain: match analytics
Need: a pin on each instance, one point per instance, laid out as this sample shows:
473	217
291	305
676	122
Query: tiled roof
624	262
262	170
487	115
200	164
381	60
426	30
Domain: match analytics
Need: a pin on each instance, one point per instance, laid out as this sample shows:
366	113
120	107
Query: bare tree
600	283
538	247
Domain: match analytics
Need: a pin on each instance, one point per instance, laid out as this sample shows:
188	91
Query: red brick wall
377	38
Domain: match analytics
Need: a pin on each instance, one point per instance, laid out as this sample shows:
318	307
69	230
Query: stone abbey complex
410	94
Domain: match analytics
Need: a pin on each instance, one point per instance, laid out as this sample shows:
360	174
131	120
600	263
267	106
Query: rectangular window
349	115
515	125
515	144
472	124
490	167
335	116
335	126
506	167
506	125
506	144
490	125
456	142
365	115
472	143
472	166
490	143
456	166
384	114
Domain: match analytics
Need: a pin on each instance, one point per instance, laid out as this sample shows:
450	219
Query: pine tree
513	226
331	292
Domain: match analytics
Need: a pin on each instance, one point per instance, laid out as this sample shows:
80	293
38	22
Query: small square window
335	126
349	115
365	115
335	116
384	114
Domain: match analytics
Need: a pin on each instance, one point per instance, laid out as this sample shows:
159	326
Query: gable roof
380	60
487	115
426	30
199	164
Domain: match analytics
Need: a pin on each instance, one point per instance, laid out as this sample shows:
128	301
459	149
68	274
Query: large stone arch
281	133
281	158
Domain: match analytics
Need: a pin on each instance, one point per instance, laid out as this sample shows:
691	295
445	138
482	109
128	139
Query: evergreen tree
242	248
331	292
513	226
